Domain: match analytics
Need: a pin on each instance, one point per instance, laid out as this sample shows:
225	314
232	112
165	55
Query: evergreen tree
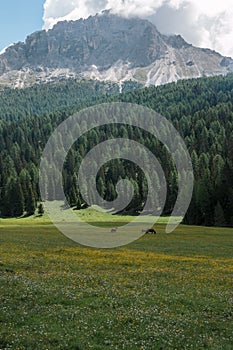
219	219
30	202
40	209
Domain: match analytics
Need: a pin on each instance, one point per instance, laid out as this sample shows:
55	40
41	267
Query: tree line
200	109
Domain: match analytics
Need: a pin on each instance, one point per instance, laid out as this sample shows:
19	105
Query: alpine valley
111	59
162	291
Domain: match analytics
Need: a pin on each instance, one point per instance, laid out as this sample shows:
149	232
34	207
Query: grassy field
169	291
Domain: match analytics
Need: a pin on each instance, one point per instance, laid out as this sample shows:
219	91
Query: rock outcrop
107	47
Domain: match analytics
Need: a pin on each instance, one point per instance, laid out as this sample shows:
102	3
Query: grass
169	291
90	215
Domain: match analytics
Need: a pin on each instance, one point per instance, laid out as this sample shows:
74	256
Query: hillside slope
201	110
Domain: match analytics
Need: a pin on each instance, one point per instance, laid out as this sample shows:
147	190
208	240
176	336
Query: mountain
107	47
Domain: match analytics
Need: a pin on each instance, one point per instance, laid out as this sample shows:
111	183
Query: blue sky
18	18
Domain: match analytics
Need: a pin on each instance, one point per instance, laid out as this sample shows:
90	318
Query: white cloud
60	10
205	23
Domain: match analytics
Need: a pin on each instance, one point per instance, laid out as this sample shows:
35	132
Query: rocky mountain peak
100	40
107	47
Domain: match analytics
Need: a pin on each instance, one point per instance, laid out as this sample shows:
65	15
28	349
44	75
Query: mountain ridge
107	47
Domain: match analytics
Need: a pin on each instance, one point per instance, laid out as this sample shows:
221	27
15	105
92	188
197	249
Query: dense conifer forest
200	109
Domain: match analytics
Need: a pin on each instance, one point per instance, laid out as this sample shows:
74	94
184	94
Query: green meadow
164	291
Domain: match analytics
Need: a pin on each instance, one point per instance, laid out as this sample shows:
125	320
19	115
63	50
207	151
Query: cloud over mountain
203	23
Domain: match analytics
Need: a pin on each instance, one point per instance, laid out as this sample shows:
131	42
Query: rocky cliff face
107	47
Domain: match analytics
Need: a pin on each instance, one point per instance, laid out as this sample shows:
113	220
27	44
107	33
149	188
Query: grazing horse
114	229
150	230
